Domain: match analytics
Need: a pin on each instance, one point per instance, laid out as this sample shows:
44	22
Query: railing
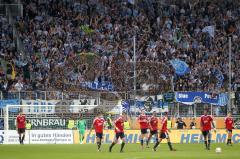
100	98
58	95
43	95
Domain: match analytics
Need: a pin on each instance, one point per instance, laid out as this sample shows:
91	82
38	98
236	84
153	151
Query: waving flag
223	99
131	2
125	106
181	68
219	75
210	30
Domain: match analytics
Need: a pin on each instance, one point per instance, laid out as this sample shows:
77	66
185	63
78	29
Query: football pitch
131	151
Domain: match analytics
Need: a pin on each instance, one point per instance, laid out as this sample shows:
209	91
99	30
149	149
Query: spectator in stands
1	124
180	124
19	85
193	124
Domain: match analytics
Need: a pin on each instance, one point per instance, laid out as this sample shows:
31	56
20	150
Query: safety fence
184	104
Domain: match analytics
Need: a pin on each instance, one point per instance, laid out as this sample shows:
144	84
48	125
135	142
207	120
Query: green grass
132	151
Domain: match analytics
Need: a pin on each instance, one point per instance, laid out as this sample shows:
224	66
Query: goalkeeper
81	126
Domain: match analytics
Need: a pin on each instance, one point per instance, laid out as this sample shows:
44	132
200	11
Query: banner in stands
150	104
177	136
98	85
35	108
38	137
190	98
113	107
68	106
3	103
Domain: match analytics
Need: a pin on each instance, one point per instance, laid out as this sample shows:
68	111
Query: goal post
56	117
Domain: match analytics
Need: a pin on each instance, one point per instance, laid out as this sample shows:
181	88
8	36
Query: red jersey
98	124
119	123
229	123
164	125
21	120
153	123
143	121
206	121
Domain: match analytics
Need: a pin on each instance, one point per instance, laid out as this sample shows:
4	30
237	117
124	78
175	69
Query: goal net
56	117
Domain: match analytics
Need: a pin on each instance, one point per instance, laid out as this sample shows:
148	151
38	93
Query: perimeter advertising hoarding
177	136
132	136
38	137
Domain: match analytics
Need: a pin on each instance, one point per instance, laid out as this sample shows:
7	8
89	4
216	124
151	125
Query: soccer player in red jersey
21	126
206	123
98	125
164	133
229	125
144	125
153	124
119	131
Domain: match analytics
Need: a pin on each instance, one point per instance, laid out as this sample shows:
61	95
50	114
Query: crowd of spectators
67	43
7	53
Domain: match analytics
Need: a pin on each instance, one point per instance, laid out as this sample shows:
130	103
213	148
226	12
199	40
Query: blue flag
125	106
218	74
223	99
181	68
3	103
